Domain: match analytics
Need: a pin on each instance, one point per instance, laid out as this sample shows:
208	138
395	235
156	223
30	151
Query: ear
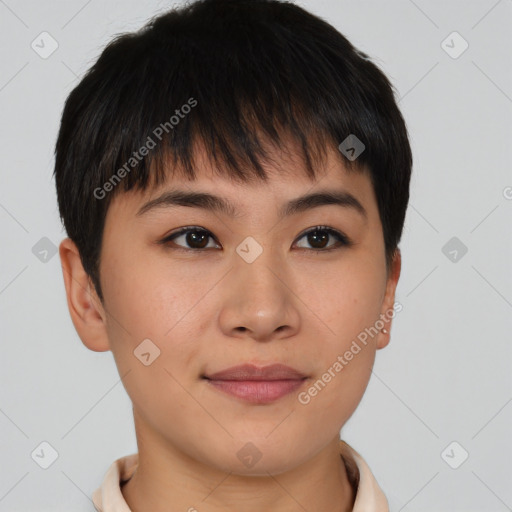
85	308
389	298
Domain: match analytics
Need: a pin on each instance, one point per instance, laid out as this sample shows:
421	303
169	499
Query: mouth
257	385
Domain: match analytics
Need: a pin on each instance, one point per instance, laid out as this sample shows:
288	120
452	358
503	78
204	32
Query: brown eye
318	238
197	239
193	238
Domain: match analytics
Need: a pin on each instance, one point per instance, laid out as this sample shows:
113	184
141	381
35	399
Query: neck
166	479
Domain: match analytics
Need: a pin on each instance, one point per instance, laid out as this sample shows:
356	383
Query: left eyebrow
212	202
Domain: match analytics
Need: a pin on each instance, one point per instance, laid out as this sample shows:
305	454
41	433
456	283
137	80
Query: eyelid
343	239
180	231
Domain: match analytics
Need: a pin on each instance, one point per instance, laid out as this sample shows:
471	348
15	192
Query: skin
210	310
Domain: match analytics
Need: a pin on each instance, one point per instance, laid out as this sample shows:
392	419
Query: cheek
145	308
151	300
346	297
348	300
144	295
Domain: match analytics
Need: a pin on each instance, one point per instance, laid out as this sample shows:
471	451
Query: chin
258	456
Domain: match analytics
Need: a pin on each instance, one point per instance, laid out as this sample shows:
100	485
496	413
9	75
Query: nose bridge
254	260
258	300
259	288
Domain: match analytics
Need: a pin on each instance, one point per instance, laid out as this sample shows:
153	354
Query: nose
258	301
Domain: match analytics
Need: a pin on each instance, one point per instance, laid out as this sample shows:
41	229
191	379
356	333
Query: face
253	287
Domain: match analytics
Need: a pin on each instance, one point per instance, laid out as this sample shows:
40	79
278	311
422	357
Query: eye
196	238
319	235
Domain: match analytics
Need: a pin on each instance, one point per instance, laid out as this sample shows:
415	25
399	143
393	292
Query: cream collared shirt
369	496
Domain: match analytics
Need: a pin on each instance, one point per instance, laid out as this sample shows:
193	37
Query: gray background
446	375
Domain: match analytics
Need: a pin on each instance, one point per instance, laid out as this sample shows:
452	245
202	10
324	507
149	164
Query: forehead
286	173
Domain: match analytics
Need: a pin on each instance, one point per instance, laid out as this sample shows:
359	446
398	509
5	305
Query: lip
252	372
257	385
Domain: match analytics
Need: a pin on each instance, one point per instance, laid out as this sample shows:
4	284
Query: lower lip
257	392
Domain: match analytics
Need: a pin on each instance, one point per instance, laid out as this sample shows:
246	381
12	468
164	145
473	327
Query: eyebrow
212	202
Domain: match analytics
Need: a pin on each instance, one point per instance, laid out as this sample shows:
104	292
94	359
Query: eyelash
343	240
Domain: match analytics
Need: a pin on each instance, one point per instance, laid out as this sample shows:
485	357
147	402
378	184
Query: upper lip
251	372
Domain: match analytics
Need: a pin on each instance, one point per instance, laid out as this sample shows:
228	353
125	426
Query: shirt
369	496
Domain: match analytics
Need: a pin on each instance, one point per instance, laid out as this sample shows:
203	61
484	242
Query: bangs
239	79
233	108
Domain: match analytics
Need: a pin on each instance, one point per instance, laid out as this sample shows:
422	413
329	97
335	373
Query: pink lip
257	385
252	372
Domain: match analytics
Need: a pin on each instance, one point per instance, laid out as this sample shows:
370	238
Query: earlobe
389	299
87	313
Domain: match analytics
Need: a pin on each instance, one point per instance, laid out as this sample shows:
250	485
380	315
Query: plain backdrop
435	423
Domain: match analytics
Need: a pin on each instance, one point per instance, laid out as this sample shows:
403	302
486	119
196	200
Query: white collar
369	496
